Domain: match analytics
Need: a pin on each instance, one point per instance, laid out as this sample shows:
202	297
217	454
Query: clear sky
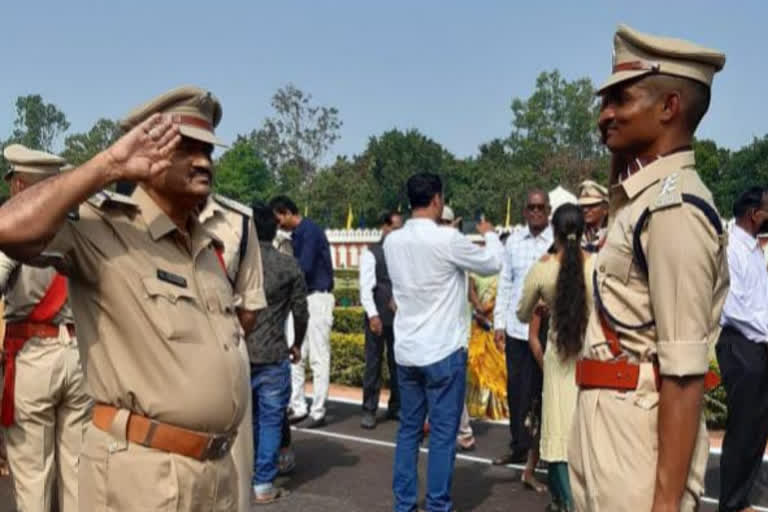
448	68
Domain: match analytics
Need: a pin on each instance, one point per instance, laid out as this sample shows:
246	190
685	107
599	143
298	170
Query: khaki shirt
688	274
155	313
23	287
224	219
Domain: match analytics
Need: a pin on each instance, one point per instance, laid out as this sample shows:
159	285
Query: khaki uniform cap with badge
656	312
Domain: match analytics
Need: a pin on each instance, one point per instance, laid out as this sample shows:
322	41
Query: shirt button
602	268
226	348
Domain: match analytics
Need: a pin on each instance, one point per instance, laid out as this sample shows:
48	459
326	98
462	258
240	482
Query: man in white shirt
427	265
742	353
524	377
376	299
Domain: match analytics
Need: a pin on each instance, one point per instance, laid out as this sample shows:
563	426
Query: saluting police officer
639	442
232	223
45	405
155	311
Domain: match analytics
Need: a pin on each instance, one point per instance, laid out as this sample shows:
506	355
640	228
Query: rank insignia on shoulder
233	205
670	194
107	198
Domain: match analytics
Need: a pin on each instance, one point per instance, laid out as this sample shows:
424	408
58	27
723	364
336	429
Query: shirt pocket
222	306
173	309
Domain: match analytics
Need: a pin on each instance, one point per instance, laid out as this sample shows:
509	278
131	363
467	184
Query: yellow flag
350	217
509	211
306	210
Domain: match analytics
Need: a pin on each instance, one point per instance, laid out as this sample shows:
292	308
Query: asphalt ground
342	467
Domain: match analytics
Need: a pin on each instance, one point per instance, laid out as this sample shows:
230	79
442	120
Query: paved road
344	468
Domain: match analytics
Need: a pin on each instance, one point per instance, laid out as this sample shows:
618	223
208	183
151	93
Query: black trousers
524	382
374	357
744	369
285	432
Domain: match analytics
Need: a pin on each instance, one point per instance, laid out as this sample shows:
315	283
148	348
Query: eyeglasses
539	207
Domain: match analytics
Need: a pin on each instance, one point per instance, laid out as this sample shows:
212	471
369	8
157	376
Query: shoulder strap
54	299
243	241
637	247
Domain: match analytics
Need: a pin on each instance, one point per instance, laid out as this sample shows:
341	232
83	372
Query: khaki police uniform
590	194
160	339
231	222
662	316
49	401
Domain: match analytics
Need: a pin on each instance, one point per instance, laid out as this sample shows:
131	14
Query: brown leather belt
26	330
621	375
165	437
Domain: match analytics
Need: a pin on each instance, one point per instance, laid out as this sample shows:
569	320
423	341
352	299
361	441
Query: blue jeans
439	390
271	387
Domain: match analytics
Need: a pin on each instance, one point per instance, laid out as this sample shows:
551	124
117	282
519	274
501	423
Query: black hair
749	199
264	220
695	96
385	218
283	204
422	188
571	290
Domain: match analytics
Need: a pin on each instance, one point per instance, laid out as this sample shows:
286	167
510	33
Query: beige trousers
120	476
613	451
242	448
51	409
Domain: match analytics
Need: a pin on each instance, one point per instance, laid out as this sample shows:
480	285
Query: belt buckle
218	446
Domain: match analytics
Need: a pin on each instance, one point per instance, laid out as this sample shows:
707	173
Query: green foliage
242	174
37	124
348	360
81	147
349	320
346	297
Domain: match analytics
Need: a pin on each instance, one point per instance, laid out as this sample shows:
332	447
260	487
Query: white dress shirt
746	307
521	251
428	264
368	283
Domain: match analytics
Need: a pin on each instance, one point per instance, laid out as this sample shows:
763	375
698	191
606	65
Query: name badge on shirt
169	277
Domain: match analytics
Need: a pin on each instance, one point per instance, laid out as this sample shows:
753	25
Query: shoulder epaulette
233	205
670	193
106	198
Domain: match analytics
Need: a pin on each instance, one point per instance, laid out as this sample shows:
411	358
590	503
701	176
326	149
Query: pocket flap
157	288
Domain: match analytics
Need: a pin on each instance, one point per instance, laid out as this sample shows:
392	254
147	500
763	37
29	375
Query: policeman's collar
657	170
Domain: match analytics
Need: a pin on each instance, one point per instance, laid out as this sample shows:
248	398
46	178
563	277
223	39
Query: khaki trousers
242	448
614	449
120	476
51	409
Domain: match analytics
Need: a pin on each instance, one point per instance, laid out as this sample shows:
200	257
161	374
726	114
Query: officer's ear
671	107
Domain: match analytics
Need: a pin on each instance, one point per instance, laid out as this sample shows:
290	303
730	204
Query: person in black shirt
311	249
269	353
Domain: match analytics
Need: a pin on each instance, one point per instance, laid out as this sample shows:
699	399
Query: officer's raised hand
145	151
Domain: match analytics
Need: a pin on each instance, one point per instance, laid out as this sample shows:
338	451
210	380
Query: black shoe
311	422
368	421
393	414
293	418
516	457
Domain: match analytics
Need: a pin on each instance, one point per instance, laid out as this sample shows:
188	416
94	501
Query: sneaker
286	462
368	420
270	496
311	422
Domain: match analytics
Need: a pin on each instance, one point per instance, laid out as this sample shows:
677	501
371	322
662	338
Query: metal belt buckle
218	446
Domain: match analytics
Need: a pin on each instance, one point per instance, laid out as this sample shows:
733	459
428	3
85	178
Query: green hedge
348	320
346	297
348	366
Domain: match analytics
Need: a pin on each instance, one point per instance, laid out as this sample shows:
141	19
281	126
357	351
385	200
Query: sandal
532	484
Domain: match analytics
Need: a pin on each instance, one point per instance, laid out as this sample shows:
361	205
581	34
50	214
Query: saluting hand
145	151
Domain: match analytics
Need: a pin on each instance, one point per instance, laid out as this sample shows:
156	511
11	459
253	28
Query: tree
554	131
242	174
299	134
81	147
395	156
37	123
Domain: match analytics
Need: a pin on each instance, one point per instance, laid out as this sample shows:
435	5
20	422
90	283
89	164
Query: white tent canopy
559	196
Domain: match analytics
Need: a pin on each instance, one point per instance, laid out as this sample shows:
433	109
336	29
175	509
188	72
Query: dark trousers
744	369
374	357
524	382
285	432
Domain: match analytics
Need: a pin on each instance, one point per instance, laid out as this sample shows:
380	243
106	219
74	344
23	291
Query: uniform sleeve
504	291
76	250
367	283
249	287
682	253
7	266
531	294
